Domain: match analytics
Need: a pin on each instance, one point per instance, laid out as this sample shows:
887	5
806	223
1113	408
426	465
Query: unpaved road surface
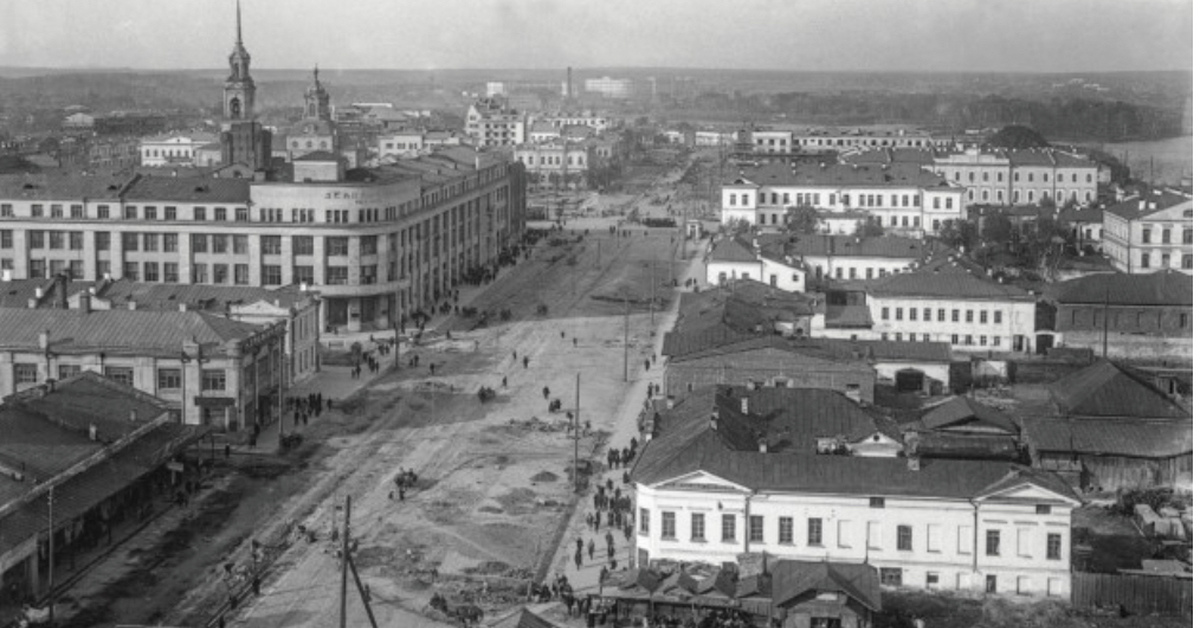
493	491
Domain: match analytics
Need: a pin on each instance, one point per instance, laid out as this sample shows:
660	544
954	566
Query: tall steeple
316	99
239	87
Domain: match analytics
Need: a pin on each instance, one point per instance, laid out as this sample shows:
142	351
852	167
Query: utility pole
345	563
653	288
1105	349
575	472
626	377
362	593
50	516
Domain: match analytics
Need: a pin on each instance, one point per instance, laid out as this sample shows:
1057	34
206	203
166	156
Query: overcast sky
942	35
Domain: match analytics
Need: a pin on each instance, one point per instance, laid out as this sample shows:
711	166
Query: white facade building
1146	235
173	149
609	87
707	491
732	259
902	198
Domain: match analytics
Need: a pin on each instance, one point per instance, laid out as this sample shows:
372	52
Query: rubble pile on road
535	424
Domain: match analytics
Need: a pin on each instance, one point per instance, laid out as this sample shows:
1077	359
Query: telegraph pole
50	516
345	563
653	288
575	472
626	377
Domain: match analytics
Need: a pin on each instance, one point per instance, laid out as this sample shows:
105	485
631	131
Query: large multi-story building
377	244
1012	177
807	474
1146	235
903	198
490	122
608	87
999	177
557	164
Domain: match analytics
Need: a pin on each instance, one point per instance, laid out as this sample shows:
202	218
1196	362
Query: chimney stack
133	416
762	444
914	463
39	292
745	405
44	340
92	431
85	303
670	402
6	274
712	420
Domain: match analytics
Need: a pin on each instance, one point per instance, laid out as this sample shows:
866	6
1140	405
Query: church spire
239	22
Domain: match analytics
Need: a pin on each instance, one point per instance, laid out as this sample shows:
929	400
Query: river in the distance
1170	160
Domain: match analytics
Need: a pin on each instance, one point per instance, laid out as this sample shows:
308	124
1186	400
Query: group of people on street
309	406
621	458
405	480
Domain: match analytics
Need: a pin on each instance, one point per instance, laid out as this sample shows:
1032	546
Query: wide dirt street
493	496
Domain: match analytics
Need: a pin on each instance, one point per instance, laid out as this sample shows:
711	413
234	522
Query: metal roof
1131	438
1104	390
125	332
1165	287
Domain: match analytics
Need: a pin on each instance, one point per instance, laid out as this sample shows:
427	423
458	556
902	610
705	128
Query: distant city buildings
490	122
608	87
174	149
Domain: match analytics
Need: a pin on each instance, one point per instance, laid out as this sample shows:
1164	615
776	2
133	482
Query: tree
803	219
1017	136
997	228
958	234
868	229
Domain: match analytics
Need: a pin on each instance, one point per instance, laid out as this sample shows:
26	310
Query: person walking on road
591	549
526	361
578	560
545	392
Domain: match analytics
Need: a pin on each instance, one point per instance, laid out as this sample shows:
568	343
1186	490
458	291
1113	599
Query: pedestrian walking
608	538
578	561
545	392
591	549
647	365
526	361
575	341
578	544
504	382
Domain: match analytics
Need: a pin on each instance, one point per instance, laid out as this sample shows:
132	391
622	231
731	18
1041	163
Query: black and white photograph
579	314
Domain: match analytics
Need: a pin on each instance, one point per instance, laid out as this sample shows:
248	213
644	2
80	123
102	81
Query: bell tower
316	100
239	87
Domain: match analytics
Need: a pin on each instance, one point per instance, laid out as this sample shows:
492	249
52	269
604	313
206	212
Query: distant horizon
954	36
324	69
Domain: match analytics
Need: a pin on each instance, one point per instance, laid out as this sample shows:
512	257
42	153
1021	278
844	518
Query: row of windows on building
1185	261
864	200
174	152
816	536
999	177
1165	235
129	212
847	141
1031	195
218	274
967	316
201	243
554	160
211	380
955	339
1138	320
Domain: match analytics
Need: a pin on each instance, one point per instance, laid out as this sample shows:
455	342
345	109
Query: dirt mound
545	476
518	501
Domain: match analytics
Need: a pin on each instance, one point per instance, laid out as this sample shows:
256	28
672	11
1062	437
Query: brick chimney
745	405
713	419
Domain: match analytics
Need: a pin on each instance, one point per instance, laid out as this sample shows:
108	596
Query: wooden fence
1139	595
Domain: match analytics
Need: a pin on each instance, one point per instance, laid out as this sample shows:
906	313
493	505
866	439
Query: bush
1155	498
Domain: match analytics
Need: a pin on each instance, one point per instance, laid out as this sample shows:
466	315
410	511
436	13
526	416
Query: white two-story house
788	477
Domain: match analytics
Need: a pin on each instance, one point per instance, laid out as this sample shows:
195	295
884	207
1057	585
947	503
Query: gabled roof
689	445
116	332
1166	287
793	578
818	245
732	250
840	175
213	299
1132	209
964	412
318	155
1132	438
944	278
1105	390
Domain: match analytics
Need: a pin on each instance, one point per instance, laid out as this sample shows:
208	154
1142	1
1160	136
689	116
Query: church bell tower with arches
239	87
